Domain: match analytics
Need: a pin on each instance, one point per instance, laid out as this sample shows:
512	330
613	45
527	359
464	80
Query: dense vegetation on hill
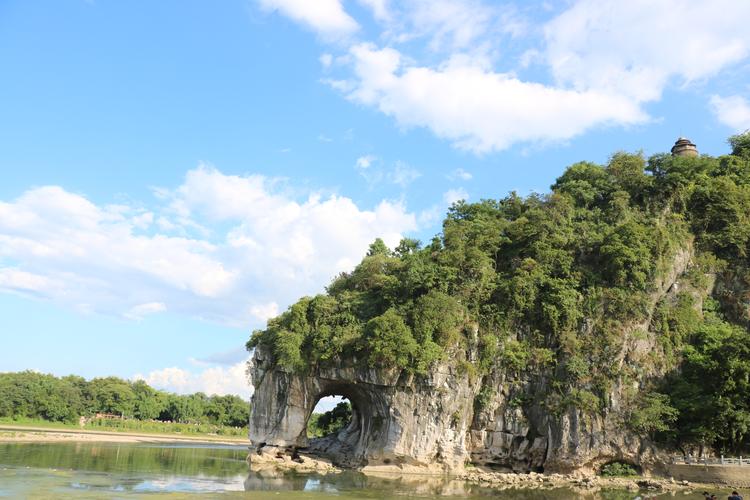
36	395
552	284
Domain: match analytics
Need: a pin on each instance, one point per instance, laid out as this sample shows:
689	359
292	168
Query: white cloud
23	283
733	111
364	162
401	173
326	60
142	310
451	24
380	9
453	195
266	247
634	48
215	380
340	85
264	312
327	17
597	63
477	109
460	174
469	27
51	232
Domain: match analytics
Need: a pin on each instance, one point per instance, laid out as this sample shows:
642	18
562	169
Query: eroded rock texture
394	421
440	421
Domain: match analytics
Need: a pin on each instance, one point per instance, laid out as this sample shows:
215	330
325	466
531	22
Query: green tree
111	395
149	403
389	341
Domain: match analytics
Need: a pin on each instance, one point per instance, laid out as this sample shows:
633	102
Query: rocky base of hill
280	462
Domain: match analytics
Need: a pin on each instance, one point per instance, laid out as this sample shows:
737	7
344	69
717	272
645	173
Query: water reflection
96	470
179	460
356	484
189	485
89	468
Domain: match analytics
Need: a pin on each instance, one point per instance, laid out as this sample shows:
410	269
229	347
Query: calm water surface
99	470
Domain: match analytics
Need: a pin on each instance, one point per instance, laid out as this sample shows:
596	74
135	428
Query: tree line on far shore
35	395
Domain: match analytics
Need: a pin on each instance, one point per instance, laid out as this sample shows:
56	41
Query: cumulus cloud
477	109
634	48
230	249
733	111
326	17
216	380
595	63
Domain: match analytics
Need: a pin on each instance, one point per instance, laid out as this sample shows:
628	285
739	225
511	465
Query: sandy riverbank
24	434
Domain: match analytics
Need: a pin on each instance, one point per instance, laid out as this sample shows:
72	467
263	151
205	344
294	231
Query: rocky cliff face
437	422
395	420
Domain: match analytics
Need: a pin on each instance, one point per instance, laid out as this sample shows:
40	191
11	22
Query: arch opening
351	440
333	429
331	415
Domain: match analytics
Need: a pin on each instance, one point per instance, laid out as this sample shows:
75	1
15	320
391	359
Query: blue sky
175	172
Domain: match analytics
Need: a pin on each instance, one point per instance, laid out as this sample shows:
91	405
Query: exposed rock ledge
432	425
271	465
432	422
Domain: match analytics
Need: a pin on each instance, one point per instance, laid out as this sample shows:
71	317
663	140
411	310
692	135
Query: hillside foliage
550	284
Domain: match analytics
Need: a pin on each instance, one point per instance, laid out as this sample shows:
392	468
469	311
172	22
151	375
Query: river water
100	470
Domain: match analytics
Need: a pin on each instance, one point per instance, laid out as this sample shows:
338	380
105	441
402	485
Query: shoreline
579	481
31	434
310	464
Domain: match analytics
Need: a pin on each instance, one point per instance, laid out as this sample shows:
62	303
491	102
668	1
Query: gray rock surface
433	422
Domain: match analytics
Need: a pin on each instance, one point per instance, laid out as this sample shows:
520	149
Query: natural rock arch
432	423
284	401
395	424
366	429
